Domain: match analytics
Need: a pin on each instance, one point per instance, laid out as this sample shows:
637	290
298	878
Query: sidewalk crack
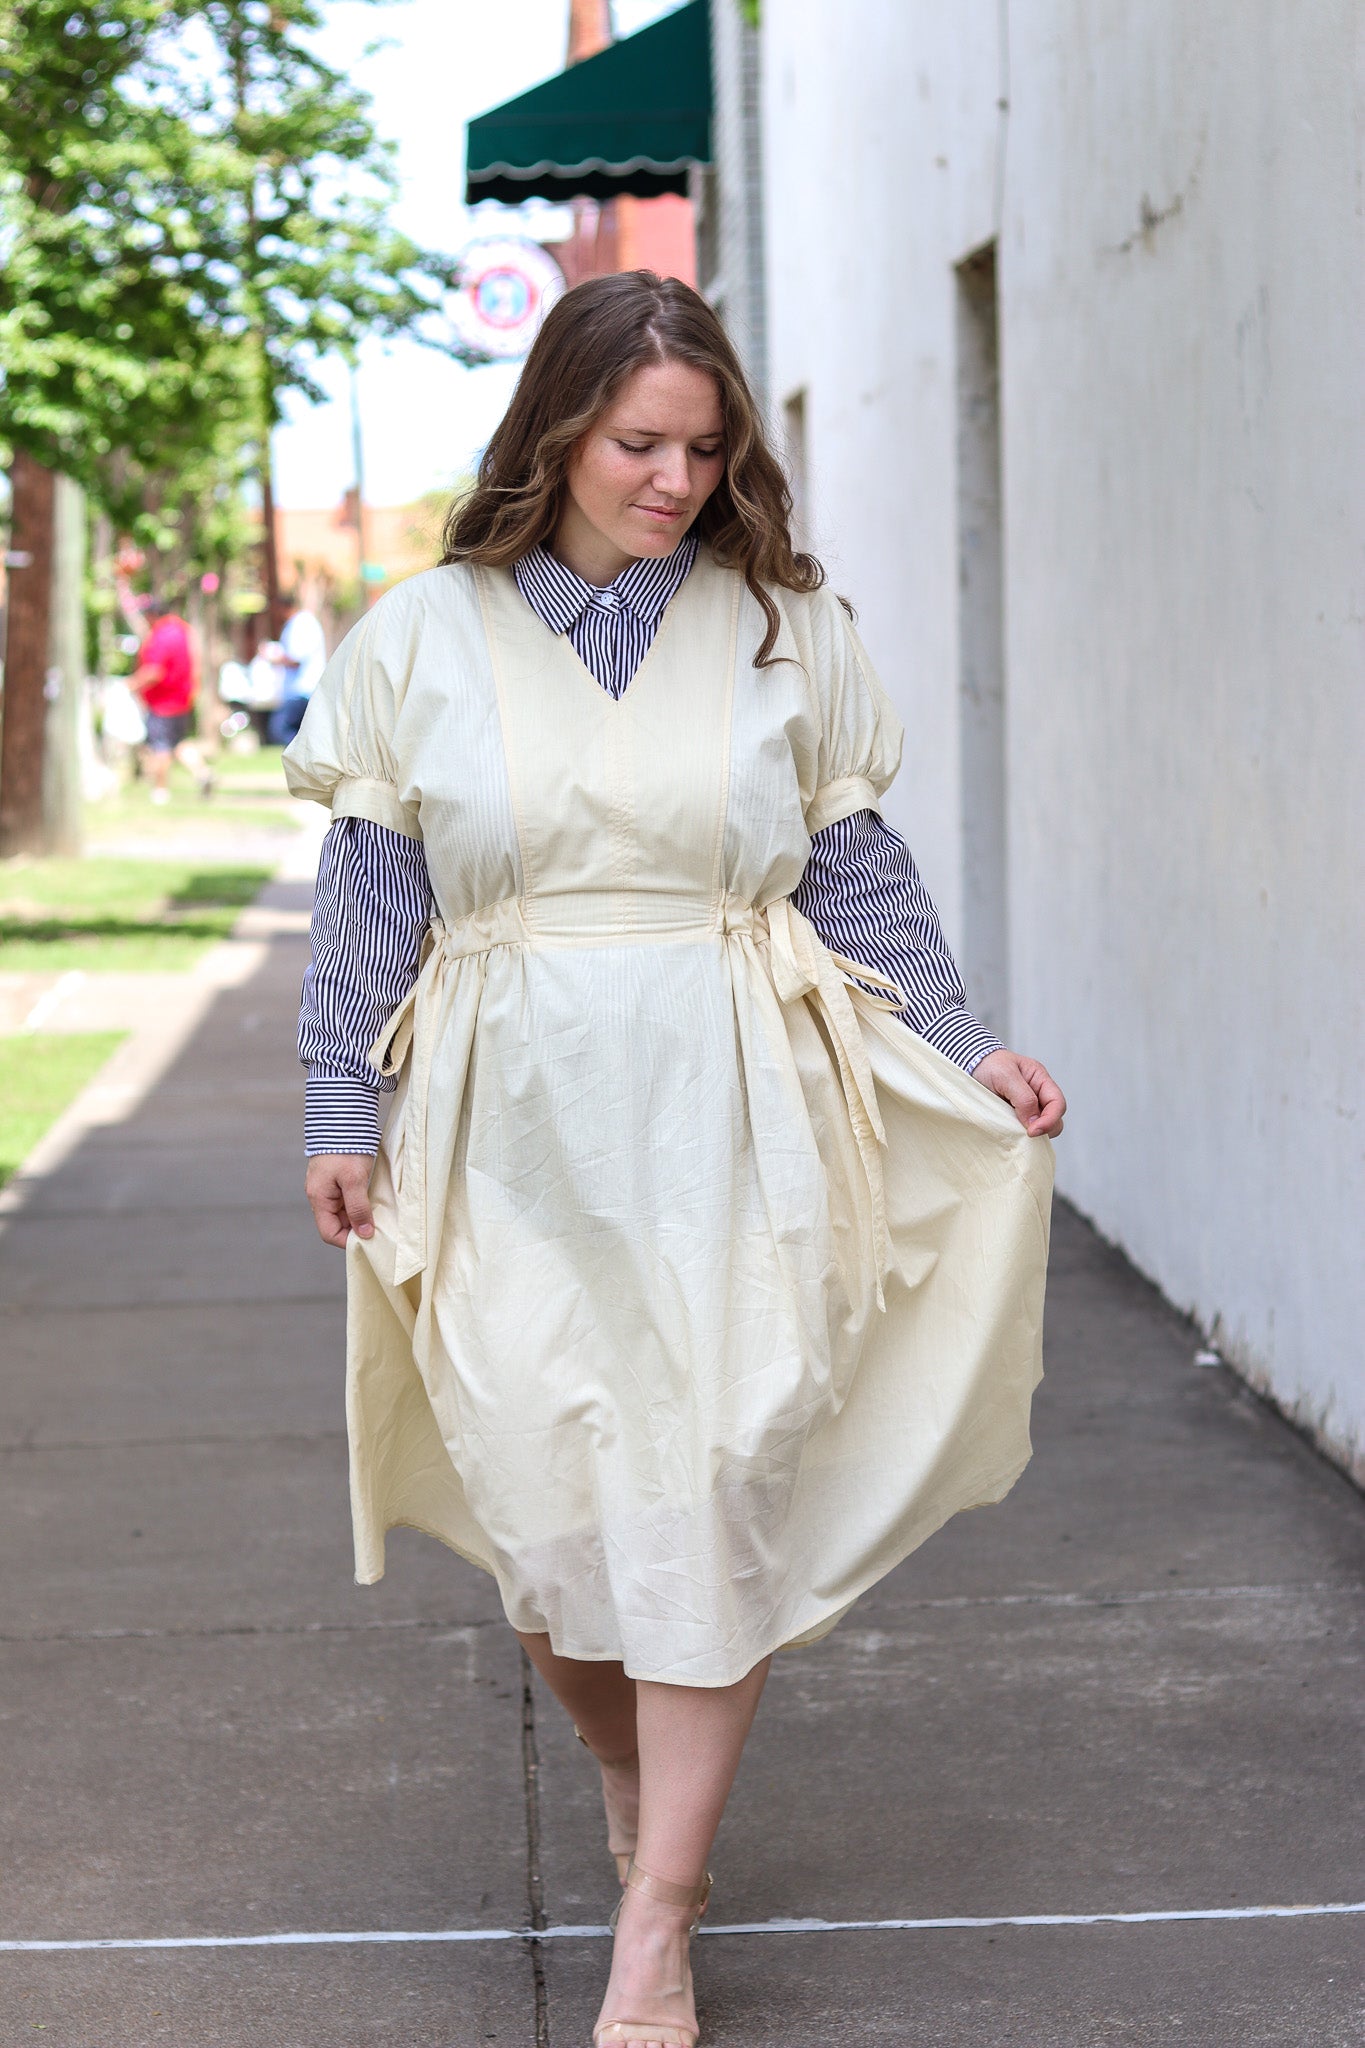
535	1884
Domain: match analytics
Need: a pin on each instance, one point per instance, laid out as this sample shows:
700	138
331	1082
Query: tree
308	186
108	311
193	211
108	302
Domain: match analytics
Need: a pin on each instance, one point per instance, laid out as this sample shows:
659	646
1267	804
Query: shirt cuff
340	1114
849	797
958	1036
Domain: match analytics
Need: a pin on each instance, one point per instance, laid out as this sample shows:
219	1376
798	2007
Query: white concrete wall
731	196
1177	197
863	226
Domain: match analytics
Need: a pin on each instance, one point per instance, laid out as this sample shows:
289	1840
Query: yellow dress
701	1290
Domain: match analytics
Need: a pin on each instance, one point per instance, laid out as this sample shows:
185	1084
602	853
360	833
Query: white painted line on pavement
361	1939
1036	1920
53	998
1135	1597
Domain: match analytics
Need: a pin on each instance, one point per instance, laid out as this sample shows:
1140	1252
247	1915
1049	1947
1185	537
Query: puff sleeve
344	754
860	735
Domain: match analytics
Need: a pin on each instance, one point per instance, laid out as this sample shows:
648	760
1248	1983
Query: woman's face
643	471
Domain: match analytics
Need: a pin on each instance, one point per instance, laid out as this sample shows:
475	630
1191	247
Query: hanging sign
508	286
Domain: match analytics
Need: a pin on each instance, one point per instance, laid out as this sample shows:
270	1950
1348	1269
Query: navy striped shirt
861	889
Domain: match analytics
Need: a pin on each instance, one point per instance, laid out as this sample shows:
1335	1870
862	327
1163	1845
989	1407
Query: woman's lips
668	512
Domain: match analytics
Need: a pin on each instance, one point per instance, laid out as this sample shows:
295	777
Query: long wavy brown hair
592	340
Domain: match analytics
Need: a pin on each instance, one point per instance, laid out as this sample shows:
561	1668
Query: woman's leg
600	1701
598	1698
691	1739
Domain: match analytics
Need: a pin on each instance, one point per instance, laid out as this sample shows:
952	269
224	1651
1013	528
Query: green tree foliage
193	211
306	187
111	317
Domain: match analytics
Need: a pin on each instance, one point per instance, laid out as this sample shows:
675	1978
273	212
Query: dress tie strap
803	967
410	1036
408	1033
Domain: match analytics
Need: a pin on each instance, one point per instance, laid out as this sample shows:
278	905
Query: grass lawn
39	1076
110	915
259	772
131	816
250	796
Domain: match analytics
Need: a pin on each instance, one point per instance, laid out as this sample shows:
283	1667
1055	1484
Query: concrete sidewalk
1134	1689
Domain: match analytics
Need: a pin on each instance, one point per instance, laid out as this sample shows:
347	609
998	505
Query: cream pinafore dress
701	1289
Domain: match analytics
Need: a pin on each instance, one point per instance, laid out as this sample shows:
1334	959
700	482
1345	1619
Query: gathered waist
799	960
505	923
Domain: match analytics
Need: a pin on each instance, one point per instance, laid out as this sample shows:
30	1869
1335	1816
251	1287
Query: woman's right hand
338	1190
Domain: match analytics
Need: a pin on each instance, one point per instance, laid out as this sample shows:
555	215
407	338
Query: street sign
508	286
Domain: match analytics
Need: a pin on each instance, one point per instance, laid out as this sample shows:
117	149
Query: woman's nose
671	477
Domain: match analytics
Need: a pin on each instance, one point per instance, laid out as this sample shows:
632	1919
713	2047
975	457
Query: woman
696	1279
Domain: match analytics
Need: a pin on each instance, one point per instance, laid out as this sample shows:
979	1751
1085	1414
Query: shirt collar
560	597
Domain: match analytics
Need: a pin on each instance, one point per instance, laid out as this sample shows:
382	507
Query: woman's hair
592	340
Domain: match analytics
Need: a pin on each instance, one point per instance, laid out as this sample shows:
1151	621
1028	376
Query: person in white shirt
302	657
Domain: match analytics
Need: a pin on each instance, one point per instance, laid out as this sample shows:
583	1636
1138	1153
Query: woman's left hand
1028	1088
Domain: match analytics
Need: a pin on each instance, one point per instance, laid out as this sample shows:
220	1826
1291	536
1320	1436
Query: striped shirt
861	889
610	630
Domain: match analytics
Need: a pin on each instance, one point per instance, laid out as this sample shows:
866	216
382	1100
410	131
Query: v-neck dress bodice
701	1291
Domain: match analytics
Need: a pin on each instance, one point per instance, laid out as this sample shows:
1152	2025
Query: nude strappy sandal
659	2033
621	1849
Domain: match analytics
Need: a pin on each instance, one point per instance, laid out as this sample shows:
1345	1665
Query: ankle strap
693	1896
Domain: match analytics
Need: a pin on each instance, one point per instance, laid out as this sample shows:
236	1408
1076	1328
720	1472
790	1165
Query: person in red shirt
166	678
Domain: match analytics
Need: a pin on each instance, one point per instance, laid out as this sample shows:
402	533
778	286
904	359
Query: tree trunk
32	521
63	795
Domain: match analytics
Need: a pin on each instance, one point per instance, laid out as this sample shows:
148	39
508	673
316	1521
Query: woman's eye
644	448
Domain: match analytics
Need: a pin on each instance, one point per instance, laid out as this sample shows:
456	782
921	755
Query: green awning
634	118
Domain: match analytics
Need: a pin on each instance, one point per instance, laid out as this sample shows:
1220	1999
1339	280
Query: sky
424	419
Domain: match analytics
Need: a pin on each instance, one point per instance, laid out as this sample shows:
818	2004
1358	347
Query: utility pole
358	459
270	554
27	635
